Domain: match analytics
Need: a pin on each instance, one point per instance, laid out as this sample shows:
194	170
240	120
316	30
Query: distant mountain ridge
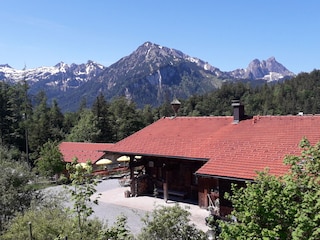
152	74
61	76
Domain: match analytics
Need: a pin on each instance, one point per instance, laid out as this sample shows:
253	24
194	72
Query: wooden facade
176	179
207	184
167	177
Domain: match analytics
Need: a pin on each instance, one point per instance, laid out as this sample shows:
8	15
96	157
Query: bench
174	193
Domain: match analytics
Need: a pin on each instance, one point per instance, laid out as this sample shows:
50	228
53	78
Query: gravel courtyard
112	203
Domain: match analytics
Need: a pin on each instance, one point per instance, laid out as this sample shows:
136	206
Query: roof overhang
158	156
224	177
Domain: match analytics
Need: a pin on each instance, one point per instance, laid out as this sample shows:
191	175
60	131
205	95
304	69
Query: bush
50	223
169	223
16	192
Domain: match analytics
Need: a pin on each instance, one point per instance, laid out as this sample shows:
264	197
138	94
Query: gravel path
113	203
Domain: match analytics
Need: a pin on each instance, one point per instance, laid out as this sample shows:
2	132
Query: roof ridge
283	116
181	117
86	143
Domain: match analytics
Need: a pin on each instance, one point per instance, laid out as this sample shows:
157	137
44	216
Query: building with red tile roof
228	150
83	151
193	155
187	157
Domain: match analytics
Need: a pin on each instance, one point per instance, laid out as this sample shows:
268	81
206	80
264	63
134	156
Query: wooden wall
204	188
179	175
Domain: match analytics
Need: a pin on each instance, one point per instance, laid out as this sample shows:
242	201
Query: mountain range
152	74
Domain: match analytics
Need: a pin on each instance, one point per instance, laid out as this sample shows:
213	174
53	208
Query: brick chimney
238	111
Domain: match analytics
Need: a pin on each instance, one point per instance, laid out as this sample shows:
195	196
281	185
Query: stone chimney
238	111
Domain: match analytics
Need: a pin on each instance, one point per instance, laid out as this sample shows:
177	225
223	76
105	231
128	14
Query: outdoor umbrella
103	161
84	165
123	159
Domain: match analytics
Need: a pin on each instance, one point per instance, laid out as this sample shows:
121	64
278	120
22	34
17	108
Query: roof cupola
175	106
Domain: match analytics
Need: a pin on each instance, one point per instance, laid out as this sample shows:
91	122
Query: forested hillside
300	94
28	123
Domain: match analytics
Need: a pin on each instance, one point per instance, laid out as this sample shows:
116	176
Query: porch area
170	179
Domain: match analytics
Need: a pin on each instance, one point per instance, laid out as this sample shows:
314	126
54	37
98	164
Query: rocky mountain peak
269	70
273	66
62	67
5	66
158	55
256	69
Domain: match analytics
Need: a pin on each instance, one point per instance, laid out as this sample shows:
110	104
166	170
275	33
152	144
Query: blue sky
226	34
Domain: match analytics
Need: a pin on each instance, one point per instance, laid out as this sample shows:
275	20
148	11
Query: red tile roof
83	151
232	150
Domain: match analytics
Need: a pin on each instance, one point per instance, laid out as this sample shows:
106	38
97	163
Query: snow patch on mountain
60	74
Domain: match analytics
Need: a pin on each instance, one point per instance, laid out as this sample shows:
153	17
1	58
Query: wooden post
165	186
132	185
30	230
165	191
206	200
131	167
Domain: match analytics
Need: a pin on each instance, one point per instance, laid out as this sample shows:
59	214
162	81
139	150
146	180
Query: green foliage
56	122
45	224
13	107
48	223
15	192
100	109
286	207
43	124
119	230
304	182
169	223
165	110
38	125
51	160
86	130
49	220
148	115
125	118
70	119
81	191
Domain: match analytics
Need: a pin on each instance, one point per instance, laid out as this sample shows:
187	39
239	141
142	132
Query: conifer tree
100	109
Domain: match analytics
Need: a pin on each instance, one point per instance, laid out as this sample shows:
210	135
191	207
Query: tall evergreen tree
147	114
13	106
100	109
70	119
39	131
56	122
5	113
126	119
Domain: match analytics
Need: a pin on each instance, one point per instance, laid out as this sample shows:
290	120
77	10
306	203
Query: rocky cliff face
269	70
153	74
